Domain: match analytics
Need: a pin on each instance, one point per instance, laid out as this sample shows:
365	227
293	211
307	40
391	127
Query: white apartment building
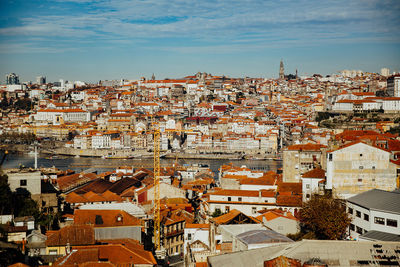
374	210
245	201
100	140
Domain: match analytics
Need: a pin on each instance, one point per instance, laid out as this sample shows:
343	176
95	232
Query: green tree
324	217
5	195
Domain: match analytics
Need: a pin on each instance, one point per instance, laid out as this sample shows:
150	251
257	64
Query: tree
325	217
5	195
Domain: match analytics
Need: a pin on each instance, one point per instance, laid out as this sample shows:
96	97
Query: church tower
281	71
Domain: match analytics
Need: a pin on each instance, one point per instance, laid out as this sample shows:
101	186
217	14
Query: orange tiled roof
74	235
105	218
315	173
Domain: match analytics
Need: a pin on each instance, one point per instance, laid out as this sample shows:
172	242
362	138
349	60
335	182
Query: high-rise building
281	71
393	85
12	78
41	80
385	72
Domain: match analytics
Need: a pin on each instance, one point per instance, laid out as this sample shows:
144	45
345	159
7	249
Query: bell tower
281	71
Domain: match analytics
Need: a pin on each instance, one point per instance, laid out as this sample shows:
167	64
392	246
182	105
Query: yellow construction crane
160	251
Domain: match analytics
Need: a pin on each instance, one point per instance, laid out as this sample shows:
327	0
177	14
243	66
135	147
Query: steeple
281	71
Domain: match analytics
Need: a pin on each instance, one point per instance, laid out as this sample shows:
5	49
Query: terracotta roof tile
315	173
105	218
75	235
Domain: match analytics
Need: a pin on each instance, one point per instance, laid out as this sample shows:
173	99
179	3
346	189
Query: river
15	160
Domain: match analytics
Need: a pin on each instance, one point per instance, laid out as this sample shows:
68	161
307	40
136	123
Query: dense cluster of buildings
333	134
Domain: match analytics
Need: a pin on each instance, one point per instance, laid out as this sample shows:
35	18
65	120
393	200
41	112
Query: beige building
359	167
299	159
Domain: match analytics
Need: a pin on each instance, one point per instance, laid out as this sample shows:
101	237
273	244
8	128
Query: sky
114	39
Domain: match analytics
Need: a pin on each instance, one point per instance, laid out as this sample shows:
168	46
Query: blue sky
113	39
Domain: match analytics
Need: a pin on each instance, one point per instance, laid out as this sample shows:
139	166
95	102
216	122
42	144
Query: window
189	236
379	220
360	155
350	210
239	199
227	209
22	182
330	156
308	186
308	196
390	222
358	213
352	227
361	167
359	230
359	180
254	210
366	217
229	198
373	167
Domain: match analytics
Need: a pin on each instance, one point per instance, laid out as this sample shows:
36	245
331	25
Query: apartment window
366	217
330	156
229	198
390	222
352	227
379	220
254	210
350	211
22	182
358	213
239	199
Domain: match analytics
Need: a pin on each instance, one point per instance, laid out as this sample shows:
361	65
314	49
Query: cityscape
232	134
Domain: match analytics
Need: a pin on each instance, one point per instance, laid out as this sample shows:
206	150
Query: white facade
196	232
101	141
368	218
310	186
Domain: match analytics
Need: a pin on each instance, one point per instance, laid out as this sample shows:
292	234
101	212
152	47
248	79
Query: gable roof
234	217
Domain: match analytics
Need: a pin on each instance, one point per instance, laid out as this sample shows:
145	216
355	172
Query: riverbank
135	154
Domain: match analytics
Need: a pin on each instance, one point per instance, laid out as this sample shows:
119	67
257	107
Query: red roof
105	218
315	173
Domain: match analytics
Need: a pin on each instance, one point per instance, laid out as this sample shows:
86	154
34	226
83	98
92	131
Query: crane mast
156	208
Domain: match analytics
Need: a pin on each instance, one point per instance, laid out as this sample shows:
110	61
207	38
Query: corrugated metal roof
377	199
381	236
262	236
